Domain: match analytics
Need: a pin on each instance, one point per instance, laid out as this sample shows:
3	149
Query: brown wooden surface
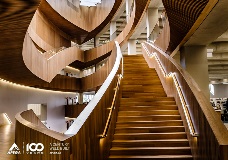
212	142
7	137
164	38
48	68
13	28
149	125
183	23
45	34
30	116
83	25
73	111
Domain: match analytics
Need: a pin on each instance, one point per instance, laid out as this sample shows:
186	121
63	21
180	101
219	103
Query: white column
96	41
151	20
80	98
131	46
128	8
194	60
112	30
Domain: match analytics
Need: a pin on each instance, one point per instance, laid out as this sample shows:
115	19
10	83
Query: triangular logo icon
14	149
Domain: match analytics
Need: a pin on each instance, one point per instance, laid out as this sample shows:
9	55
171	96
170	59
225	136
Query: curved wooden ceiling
182	14
76	33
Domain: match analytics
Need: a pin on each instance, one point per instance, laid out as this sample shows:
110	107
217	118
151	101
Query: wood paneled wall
164	38
30	116
44	68
212	142
87	18
45	34
62	83
73	111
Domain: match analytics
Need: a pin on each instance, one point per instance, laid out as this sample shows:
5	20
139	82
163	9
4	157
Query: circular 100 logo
35	147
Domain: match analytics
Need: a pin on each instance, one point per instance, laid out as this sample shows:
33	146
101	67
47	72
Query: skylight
89	3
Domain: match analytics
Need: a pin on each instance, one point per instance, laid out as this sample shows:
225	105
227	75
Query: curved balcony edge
44	68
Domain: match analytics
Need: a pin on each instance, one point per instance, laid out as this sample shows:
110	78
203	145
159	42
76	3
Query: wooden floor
7	136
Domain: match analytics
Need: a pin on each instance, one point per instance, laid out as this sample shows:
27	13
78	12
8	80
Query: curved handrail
44	130
75	127
107	125
178	88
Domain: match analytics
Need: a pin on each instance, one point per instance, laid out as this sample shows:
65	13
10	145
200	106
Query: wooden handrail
206	121
112	107
177	86
75	127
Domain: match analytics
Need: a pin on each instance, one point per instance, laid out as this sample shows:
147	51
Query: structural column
96	41
194	60
80	98
128	8
131	46
112	30
151	21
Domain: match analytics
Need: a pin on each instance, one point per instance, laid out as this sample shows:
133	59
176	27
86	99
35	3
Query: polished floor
7	137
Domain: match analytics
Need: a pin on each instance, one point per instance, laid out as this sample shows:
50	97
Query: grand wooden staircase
149	125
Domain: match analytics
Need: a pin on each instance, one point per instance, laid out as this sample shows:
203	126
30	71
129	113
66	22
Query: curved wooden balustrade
44	68
81	25
164	38
93	126
212	140
45	34
27	128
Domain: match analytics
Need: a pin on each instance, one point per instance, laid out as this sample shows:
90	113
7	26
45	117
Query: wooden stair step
145	94
151	151
137	75
149	136
143	87
157	99
151	143
142	69
148	118
132	101
157	157
151	112
149	123
135	82
158	129
129	107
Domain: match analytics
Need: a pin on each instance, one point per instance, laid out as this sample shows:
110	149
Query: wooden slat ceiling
15	17
182	14
76	33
